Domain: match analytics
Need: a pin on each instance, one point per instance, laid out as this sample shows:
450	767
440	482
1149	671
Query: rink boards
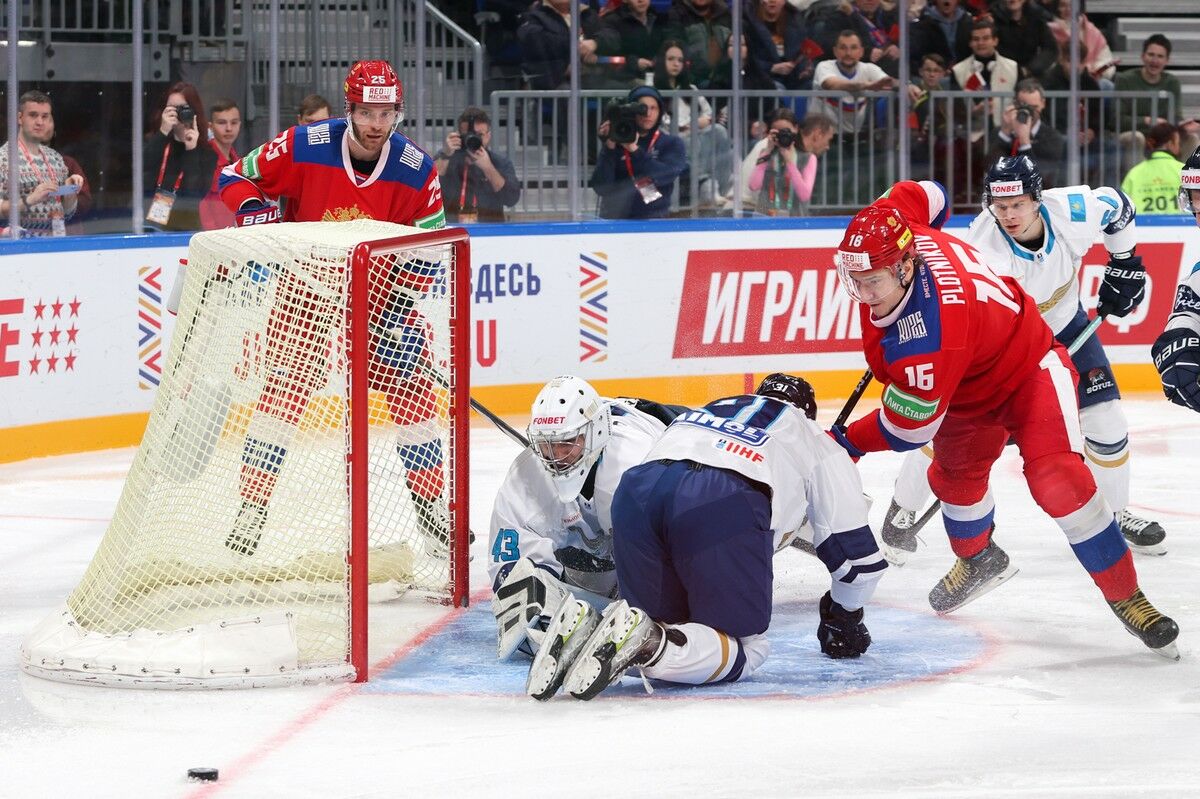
680	311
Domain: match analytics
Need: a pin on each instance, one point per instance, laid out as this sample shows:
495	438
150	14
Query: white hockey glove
523	606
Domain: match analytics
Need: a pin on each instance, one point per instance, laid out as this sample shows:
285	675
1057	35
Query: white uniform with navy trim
1186	311
530	521
1075	217
809	475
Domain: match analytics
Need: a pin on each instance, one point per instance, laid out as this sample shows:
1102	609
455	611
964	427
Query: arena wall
681	311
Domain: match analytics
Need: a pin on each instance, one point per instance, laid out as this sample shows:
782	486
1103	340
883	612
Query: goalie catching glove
523	606
256	212
1177	358
1124	285
842	633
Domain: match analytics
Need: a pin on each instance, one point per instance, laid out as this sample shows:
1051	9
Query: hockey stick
1072	348
855	395
504	426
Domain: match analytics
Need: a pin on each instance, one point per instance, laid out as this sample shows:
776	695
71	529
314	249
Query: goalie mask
1189	184
570	426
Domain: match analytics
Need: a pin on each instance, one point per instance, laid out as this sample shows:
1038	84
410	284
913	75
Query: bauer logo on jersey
1006	188
379	94
911	326
742	432
739	449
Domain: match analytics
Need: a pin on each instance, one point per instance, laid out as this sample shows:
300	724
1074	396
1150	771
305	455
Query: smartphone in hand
65	189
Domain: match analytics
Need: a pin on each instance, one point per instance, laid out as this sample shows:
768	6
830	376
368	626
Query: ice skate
626	637
1143	536
569	630
247	529
1141	619
434	525
971	578
899	534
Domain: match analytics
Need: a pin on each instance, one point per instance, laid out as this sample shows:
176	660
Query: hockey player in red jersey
337	170
967	362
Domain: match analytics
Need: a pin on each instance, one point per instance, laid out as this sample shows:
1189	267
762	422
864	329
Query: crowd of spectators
673	59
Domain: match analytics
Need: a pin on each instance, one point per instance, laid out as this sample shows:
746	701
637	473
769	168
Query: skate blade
1003	577
1170	651
1155	550
558	650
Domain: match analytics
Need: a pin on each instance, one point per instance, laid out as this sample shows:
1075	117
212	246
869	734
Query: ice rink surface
1033	690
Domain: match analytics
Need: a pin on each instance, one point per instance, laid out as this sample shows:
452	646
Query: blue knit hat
645	91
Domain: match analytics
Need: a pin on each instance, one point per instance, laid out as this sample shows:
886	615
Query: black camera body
186	113
784	138
471	140
1025	114
622	121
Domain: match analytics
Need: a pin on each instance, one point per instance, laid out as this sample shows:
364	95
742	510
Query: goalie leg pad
523	604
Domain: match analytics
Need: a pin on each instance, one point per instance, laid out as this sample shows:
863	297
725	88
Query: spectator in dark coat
772	25
634	32
1033	137
1025	36
635	180
703	28
942	28
545	38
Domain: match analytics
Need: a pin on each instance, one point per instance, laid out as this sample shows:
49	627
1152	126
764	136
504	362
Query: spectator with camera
313	108
477	182
1023	132
225	125
177	169
47	188
639	163
782	168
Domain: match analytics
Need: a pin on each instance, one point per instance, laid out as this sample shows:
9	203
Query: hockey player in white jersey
551	528
1177	351
1040	238
694	530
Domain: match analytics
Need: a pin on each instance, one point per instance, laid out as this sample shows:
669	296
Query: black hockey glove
1177	359
841	633
1123	287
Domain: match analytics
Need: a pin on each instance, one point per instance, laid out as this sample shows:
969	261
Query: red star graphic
57	306
33	365
51	363
37	337
75	303
70	359
72	332
54	334
39	309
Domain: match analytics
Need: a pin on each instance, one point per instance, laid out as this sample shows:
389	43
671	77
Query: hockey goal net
308	443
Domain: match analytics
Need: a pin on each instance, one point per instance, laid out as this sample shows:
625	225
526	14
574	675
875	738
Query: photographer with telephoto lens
1022	132
639	163
177	172
477	182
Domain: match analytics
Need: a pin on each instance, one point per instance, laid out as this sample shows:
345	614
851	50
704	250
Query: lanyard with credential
787	185
162	170
34	168
462	195
650	146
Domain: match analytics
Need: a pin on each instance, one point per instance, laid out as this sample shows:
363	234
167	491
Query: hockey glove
838	434
841	633
1123	287
254	212
1177	359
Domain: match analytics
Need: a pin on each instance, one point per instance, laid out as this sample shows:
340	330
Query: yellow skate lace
1137	610
957	576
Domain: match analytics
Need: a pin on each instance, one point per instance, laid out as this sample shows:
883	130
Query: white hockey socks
697	654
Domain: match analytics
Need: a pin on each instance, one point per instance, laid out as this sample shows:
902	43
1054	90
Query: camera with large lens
185	113
784	138
622	121
472	141
1025	113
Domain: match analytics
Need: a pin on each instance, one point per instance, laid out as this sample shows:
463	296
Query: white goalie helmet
569	428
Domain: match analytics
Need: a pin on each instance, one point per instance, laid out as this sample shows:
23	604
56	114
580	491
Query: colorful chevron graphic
149	327
593	307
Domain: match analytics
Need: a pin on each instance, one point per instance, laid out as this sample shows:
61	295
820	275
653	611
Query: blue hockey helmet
791	389
1012	176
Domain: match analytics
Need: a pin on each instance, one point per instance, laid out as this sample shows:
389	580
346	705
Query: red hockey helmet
374	82
877	238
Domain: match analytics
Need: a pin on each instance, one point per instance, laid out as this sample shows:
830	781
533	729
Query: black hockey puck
202	774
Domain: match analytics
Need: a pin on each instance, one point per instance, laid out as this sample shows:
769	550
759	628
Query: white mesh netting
226	559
